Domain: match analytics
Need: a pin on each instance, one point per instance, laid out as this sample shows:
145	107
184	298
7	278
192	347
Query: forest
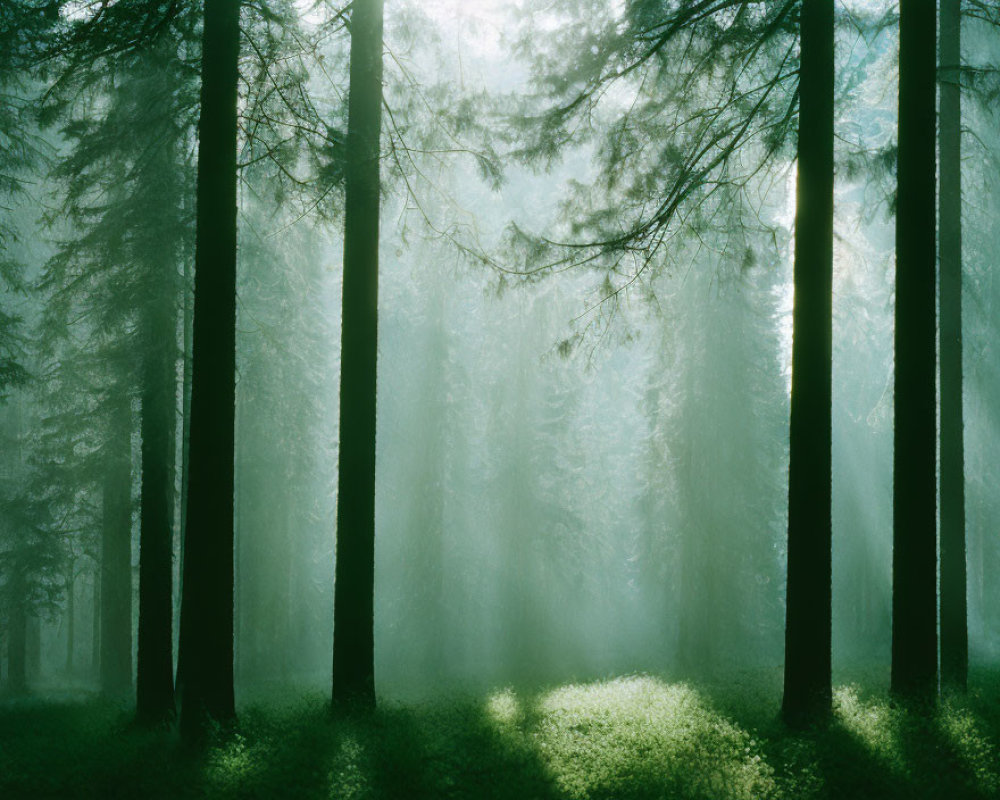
543	400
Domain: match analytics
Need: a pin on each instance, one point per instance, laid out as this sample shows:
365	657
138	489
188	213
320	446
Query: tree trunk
160	251
807	690
17	648
954	631
914	567
33	647
206	645
353	644
116	556
70	616
155	672
95	619
185	452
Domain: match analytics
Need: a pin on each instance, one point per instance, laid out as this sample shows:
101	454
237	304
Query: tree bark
807	689
95	620
116	555
159	250
70	615
353	644
17	648
155	669
954	630
205	678
914	568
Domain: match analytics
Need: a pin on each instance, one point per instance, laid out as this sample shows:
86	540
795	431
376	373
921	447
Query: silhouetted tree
954	630
205	671
914	568
353	643
807	689
116	550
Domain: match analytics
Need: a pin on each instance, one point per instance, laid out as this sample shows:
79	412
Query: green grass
629	738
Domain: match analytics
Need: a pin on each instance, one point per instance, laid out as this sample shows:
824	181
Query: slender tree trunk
159	251
17	648
353	644
70	616
807	690
95	626
954	631
33	647
155	670
188	338
116	556
914	567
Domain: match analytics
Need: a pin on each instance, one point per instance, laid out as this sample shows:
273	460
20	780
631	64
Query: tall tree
354	642
807	689
914	563
954	630
158	198
205	674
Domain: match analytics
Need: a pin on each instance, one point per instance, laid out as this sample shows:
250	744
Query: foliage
629	738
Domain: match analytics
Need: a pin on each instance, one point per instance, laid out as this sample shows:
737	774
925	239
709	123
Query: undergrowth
624	739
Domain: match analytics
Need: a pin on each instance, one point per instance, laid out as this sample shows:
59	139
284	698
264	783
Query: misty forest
556	400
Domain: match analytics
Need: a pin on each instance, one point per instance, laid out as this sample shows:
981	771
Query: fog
581	471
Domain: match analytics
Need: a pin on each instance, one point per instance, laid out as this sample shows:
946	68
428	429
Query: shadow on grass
626	739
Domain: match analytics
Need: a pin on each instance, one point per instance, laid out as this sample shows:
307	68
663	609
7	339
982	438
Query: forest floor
626	739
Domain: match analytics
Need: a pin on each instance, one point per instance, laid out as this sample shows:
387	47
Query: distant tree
20	150
807	688
353	644
116	550
122	94
31	556
160	235
914	596
284	441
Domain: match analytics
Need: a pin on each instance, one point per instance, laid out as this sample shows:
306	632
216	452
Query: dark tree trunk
33	647
954	631
807	691
116	556
353	644
95	620
70	616
205	679
17	648
155	668
914	565
160	251
188	338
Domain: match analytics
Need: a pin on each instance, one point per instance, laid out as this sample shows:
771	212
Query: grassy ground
630	738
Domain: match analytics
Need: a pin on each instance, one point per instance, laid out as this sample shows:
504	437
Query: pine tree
914	567
205	670
954	632
807	690
353	643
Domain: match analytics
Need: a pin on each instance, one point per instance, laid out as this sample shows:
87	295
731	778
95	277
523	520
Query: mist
584	354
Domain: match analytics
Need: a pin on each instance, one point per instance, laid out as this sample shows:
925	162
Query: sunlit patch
503	707
599	739
977	753
346	777
873	722
234	763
